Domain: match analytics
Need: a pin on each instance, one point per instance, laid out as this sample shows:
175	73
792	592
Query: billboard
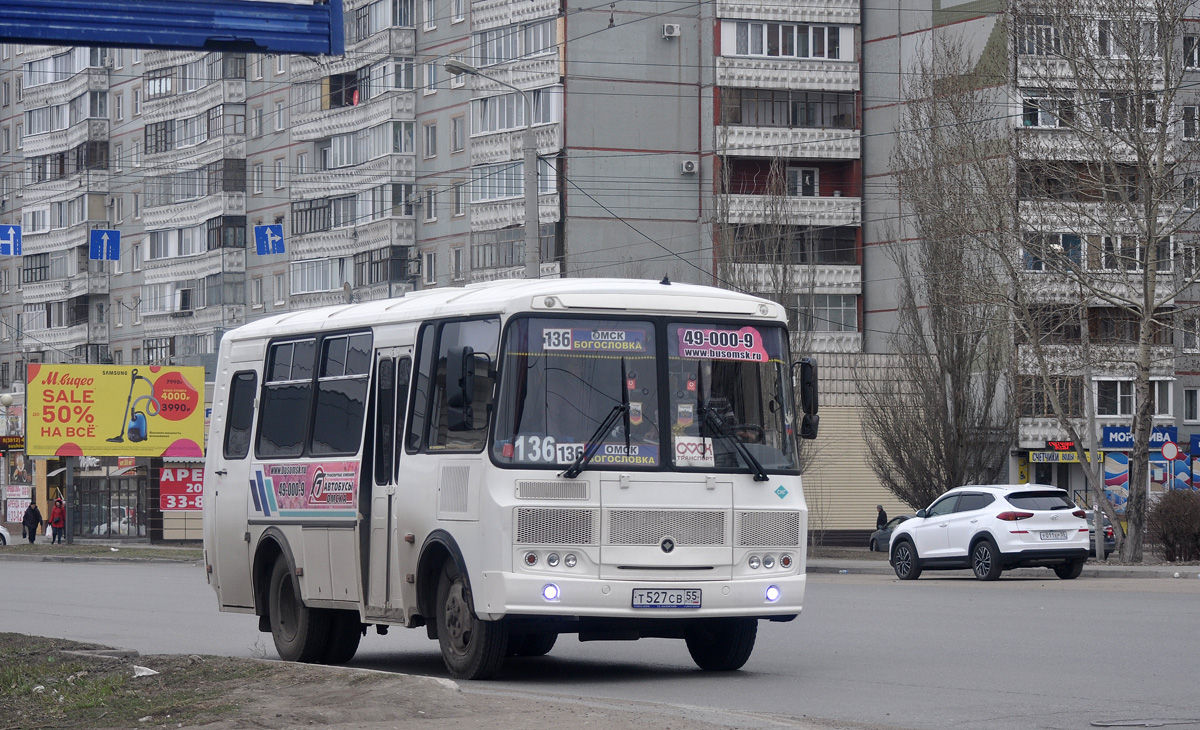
114	410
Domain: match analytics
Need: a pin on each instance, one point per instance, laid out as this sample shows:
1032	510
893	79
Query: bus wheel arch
439	548
272	546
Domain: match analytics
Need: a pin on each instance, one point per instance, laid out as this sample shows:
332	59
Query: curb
868	567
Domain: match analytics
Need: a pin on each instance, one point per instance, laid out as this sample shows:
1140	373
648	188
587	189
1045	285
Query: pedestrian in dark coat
32	521
881	518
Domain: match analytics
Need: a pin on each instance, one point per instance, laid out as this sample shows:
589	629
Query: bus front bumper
501	593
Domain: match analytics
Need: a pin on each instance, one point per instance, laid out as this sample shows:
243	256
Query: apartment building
671	142
1084	93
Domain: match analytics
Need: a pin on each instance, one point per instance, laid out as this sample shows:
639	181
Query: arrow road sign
10	240
104	245
268	239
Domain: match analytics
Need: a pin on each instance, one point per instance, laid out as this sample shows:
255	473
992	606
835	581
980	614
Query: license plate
1054	535
666	598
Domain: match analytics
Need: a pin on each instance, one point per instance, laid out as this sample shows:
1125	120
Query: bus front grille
767	529
552	490
556	526
650	526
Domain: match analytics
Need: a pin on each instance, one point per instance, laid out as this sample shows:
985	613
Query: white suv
991	528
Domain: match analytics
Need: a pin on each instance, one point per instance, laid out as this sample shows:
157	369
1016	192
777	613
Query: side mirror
808	396
920	513
460	388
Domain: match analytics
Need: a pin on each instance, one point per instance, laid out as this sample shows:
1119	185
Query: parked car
1110	539
883	536
5	538
992	528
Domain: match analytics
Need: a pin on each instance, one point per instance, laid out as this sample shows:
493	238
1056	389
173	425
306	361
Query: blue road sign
104	245
268	239
10	240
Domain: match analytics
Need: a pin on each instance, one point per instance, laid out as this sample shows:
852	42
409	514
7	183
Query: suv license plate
1054	535
666	598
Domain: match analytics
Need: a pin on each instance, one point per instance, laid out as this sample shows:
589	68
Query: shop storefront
1058	464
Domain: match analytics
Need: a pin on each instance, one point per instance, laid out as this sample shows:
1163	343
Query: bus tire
345	631
721	644
471	648
300	632
533	644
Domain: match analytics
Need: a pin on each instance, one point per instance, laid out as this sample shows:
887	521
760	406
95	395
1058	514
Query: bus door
226	487
393	367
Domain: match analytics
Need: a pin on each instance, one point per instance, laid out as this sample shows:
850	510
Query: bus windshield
711	396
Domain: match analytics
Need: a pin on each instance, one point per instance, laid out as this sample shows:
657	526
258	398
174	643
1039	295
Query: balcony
193	212
493	214
815	278
350	240
510	144
163	271
61	92
192	103
846	12
354	179
320	124
803	142
65	140
783	73
488	14
812	211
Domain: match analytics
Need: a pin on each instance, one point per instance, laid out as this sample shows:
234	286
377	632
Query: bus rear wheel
471	648
721	644
345	631
301	633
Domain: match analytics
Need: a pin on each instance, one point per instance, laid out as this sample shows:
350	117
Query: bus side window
385	418
482	336
403	378
341	395
420	396
286	397
240	416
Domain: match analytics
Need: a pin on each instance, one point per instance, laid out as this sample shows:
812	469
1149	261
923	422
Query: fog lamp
550	592
772	594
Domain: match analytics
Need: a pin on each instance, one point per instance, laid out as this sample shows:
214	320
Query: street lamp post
533	250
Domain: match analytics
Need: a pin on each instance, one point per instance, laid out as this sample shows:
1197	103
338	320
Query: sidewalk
1091	569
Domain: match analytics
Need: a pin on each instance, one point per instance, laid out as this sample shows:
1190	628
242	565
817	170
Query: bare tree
1068	164
944	419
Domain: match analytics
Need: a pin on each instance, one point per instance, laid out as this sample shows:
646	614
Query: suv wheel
904	560
985	560
1069	571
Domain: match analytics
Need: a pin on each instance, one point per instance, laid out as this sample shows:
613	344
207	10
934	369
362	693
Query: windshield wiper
716	424
593	443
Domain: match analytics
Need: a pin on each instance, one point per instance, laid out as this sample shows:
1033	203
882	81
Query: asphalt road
942	652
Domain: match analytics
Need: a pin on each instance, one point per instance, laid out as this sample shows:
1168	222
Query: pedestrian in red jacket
58	521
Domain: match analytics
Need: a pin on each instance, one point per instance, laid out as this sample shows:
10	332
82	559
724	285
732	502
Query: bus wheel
300	632
471	648
345	631
721	644
535	644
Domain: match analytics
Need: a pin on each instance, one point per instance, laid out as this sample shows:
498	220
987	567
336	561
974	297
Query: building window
280	175
1047	110
429	268
458	134
256	122
279	63
137	102
458	196
803	181
1114	398
431	78
1189	327
788	40
256	292
430	149
279	114
1191	51
430	14
1160	391
430	204
119	107
118	158
457	269
1191	405
1039	37
301	163
827	312
280	289
256	177
1190	117
459	10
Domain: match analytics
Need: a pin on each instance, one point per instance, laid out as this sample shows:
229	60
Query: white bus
508	462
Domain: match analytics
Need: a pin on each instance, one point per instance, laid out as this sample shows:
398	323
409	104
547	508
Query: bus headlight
754	562
552	560
570	560
769	561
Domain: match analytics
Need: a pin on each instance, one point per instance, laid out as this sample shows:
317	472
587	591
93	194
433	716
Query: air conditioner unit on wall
689	167
670	30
